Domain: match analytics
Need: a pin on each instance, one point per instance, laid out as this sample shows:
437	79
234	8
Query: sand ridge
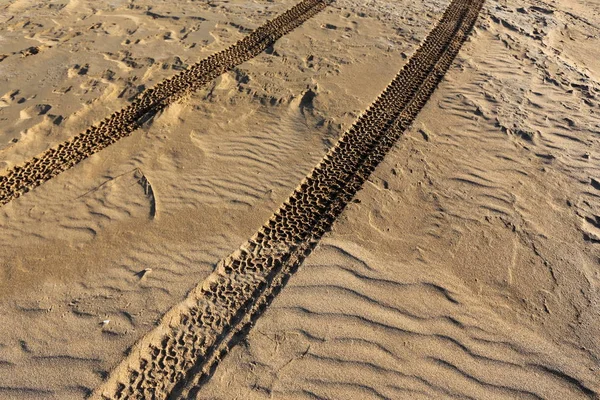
350	324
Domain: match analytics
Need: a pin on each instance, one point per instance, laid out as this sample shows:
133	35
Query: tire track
175	359
25	177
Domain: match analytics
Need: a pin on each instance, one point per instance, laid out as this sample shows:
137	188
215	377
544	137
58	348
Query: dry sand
469	266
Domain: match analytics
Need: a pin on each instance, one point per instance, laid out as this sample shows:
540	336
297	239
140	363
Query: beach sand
467	266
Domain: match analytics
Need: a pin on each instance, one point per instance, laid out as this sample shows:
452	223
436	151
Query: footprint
8	98
30	51
38	109
591	229
78	70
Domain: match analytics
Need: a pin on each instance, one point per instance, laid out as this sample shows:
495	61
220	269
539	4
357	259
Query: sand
468	265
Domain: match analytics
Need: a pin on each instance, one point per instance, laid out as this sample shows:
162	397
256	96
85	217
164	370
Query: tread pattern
25	177
176	358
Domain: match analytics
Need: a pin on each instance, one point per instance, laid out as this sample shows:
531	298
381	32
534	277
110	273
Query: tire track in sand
25	177
176	358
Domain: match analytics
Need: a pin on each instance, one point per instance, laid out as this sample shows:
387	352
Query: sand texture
428	172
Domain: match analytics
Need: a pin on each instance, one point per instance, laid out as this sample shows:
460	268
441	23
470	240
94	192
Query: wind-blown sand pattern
173	360
353	325
465	266
348	325
20	179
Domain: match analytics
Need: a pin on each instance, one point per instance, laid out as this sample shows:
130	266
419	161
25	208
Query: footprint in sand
38	109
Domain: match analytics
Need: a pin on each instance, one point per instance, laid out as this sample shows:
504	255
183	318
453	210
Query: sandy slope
469	267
